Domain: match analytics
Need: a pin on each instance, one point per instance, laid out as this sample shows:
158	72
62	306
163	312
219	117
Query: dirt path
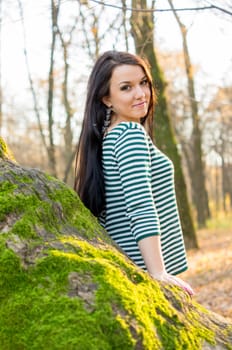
210	270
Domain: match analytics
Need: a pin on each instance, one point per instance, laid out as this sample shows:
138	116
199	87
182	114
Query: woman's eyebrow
129	82
125	82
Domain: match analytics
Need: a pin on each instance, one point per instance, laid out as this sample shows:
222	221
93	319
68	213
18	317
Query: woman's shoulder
129	125
125	128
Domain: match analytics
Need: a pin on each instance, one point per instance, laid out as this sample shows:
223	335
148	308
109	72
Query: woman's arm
152	255
150	249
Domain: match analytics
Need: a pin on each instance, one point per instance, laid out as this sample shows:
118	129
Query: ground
210	267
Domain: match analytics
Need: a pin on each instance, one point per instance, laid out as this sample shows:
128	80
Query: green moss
59	204
111	305
138	301
77	214
10	271
26	208
227	334
5	152
40	313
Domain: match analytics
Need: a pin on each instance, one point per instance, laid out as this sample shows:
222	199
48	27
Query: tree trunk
68	134
1	17
51	147
142	25
69	153
197	176
124	23
32	88
65	285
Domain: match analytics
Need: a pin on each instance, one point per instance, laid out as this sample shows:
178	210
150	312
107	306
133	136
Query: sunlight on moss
110	305
5	152
139	302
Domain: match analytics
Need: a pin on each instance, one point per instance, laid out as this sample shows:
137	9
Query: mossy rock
65	285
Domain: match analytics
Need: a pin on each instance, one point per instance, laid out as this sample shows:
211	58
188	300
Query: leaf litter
210	270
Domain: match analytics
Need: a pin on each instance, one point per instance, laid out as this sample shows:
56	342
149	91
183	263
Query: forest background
47	49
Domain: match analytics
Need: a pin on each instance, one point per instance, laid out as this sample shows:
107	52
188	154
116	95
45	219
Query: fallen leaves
210	270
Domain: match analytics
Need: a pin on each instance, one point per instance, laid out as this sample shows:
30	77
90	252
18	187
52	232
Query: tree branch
35	102
210	7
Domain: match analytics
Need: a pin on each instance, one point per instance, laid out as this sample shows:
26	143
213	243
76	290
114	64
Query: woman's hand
150	248
166	277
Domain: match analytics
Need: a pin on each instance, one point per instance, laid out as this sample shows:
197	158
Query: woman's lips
140	104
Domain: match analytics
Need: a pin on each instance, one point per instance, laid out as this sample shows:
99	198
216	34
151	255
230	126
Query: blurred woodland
43	130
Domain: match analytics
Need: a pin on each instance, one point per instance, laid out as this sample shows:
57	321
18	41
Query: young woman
121	176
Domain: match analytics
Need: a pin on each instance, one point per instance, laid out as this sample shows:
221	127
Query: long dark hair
89	178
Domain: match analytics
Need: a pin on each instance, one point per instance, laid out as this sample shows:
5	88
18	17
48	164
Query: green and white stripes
140	195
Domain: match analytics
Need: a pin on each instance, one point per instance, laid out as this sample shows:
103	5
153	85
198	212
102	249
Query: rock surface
64	285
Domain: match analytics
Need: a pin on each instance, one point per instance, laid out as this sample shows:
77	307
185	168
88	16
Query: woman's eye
125	87
144	82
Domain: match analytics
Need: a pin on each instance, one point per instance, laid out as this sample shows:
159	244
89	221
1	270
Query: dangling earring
107	120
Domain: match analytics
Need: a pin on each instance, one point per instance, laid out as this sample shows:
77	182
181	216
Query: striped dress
140	196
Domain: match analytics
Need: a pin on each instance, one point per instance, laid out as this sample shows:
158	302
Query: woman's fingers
165	277
179	282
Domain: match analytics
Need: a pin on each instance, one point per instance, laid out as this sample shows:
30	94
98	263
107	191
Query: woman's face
130	94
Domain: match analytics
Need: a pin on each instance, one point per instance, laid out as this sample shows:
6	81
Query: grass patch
220	220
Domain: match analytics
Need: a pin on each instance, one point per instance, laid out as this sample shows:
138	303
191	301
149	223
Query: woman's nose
139	92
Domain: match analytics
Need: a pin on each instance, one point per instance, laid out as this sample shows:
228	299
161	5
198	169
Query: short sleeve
134	164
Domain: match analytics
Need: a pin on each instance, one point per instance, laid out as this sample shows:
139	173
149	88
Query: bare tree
69	153
124	23
1	116
93	43
142	26
91	24
49	146
219	137
55	7
200	197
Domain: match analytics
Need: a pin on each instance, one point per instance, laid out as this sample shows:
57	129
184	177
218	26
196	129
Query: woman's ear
106	101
